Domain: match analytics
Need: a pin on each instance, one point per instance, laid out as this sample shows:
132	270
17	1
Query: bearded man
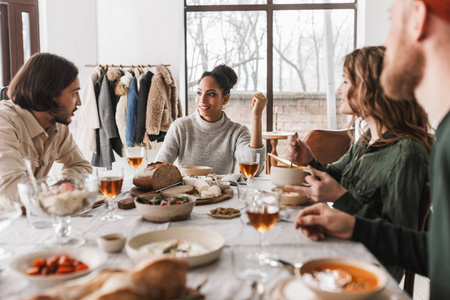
417	63
33	124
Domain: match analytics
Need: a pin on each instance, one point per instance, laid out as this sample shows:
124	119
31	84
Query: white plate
91	256
291	288
207	238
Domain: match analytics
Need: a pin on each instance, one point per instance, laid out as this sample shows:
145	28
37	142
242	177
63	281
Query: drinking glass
61	198
249	167
263	210
9	211
111	180
135	156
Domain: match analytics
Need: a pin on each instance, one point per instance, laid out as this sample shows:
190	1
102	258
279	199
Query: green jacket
386	183
421	252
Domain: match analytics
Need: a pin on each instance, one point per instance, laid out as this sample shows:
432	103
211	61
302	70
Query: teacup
284	175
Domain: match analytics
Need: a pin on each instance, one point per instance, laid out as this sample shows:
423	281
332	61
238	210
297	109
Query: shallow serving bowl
354	266
207	238
161	214
91	256
196	171
291	198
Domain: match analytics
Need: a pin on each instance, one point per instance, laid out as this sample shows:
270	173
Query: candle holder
275	129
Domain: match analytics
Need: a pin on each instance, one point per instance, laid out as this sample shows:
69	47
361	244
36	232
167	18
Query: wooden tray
227	194
135	191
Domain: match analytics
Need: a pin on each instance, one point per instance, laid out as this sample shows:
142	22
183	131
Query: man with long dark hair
33	124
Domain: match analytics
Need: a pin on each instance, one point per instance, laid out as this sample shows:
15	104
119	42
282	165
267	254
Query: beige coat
163	105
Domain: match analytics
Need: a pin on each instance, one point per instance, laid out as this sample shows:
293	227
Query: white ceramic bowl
196	171
91	256
345	295
207	238
161	214
283	175
113	242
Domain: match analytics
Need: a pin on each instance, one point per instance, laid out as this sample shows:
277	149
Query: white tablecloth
221	275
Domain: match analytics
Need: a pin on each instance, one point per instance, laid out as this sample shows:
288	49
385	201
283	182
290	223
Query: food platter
211	240
227	194
91	256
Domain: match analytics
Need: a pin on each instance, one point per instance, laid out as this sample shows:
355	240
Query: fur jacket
163	105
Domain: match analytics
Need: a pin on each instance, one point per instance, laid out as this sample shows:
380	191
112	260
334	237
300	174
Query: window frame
11	35
269	8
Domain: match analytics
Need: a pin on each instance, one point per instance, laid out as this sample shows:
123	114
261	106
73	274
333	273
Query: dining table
218	279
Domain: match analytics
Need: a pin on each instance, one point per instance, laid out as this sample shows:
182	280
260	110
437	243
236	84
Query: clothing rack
122	66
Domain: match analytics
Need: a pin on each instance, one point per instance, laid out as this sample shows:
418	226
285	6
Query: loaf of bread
151	279
156	176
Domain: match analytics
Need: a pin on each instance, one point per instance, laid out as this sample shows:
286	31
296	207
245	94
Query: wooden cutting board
227	194
188	189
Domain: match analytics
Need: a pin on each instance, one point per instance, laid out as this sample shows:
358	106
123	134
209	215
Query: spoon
257	290
295	137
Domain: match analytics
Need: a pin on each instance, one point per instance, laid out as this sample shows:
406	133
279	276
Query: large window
292	51
19	35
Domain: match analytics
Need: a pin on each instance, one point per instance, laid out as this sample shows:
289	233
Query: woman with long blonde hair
384	172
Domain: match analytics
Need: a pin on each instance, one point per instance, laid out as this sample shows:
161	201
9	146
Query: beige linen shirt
21	136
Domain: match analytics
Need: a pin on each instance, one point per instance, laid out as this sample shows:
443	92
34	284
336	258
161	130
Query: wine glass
249	167
9	211
111	180
135	156
263	210
61	198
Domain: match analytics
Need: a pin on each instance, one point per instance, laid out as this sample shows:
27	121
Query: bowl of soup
292	198
343	278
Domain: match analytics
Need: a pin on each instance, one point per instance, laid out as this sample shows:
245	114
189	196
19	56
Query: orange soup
361	281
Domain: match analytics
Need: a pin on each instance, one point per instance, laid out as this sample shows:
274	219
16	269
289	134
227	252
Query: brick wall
297	112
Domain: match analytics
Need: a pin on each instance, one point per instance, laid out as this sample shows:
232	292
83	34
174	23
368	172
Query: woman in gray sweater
208	137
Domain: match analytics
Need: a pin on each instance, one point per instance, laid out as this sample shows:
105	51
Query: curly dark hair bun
225	76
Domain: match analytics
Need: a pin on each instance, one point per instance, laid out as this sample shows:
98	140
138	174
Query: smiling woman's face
343	89
210	100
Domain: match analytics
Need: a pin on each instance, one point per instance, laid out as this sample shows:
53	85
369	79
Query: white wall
373	22
115	32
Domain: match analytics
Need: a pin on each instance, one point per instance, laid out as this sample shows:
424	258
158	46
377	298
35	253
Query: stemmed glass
9	211
135	156
249	167
111	180
263	210
61	198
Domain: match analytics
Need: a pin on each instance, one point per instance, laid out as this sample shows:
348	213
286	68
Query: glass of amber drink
135	156
249	167
263	210
111	180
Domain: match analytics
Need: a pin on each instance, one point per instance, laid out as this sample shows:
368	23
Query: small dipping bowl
112	242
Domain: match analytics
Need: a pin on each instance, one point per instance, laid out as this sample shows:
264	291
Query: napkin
234	177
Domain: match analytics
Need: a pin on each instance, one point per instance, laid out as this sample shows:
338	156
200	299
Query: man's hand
300	151
320	220
324	188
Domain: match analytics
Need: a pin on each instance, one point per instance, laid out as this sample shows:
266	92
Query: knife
169	186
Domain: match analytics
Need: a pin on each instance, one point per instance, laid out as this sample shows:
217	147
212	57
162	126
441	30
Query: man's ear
419	20
226	99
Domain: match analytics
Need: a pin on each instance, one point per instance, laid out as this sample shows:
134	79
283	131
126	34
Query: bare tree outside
308	50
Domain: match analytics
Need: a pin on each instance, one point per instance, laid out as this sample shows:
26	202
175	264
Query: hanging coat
146	82
104	156
89	121
132	113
